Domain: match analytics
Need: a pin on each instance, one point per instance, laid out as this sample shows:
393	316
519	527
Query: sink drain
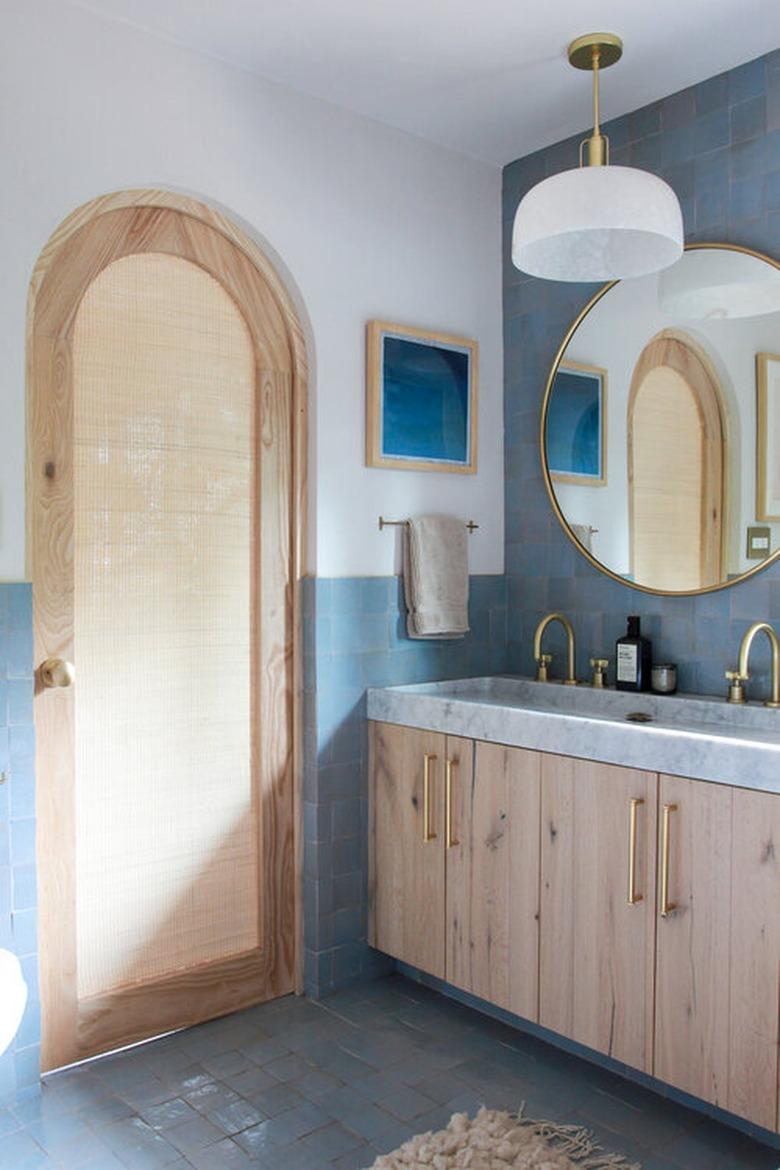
639	717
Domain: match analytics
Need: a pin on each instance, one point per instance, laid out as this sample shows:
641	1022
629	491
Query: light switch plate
758	543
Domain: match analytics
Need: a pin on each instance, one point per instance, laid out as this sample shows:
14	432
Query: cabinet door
406	883
755	957
718	952
493	878
694	937
596	947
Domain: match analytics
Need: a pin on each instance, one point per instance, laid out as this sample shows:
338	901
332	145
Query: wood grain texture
596	950
493	876
120	225
275	680
694	942
406	884
754	1027
129	1014
49	501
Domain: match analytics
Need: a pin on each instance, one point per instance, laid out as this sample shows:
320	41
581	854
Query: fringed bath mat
502	1141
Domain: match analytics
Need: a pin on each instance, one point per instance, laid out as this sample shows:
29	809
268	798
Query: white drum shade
716	284
13	998
597	223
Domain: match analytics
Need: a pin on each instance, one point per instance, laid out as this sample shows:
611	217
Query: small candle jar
663	678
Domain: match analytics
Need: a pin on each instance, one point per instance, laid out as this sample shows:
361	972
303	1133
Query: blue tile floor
299	1085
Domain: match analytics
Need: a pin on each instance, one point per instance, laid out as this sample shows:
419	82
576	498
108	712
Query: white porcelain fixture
13	998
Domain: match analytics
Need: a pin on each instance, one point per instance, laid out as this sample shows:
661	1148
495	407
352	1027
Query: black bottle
633	657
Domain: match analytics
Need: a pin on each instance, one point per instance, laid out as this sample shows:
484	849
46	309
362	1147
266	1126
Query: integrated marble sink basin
686	735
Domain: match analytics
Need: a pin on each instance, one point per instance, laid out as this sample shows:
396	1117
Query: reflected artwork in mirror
679	430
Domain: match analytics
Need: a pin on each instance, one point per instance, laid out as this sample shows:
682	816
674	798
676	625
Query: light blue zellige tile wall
718	145
18	900
354	638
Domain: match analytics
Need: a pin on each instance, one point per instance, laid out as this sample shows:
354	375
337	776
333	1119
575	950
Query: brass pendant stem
595	51
596	112
596	142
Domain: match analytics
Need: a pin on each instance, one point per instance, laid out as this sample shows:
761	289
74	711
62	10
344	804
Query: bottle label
627	657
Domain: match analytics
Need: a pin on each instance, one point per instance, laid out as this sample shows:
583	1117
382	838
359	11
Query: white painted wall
368	222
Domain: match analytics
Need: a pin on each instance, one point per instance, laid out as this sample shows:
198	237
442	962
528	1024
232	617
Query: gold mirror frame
594	300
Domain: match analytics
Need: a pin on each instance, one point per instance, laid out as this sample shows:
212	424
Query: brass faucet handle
542	662
599	671
737	687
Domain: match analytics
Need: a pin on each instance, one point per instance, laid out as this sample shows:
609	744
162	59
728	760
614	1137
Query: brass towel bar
472	527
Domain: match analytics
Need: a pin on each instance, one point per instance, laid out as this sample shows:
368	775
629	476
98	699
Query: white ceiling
485	77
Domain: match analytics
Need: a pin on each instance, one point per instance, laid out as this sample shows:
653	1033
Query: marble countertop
687	735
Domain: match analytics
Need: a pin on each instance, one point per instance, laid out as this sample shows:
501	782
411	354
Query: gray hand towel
436	577
584	534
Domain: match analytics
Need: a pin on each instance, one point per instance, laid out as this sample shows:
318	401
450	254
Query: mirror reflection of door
675	466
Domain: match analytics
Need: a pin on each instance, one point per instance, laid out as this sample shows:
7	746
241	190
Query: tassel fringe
576	1142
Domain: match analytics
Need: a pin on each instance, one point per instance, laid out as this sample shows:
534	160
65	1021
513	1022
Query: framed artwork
421	399
576	435
767	436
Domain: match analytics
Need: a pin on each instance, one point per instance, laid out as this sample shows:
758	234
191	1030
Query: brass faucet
737	678
544	660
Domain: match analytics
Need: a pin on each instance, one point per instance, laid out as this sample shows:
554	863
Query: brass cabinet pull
428	833
665	906
633	896
451	841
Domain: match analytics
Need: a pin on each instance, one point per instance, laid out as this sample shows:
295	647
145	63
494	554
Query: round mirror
660	426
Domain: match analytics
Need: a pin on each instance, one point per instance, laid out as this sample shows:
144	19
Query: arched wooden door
675	467
166	376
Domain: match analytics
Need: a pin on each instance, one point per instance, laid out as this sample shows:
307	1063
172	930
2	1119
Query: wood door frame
681	352
59	280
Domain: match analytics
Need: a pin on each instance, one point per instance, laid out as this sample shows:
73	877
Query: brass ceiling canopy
595	50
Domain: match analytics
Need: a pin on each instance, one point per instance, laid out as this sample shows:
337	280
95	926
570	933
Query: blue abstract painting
575	430
425	401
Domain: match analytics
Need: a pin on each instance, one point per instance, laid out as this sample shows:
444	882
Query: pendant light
597	222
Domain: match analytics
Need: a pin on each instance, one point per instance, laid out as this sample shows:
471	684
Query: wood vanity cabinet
597	937
454	875
637	914
493	879
718	945
407	840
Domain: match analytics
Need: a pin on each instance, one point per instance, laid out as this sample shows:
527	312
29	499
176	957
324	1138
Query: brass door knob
57	672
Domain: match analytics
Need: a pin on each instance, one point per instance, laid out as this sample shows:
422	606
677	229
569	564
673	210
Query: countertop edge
678	751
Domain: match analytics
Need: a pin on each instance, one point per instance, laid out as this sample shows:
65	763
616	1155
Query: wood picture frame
582	411
768	436
421	399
